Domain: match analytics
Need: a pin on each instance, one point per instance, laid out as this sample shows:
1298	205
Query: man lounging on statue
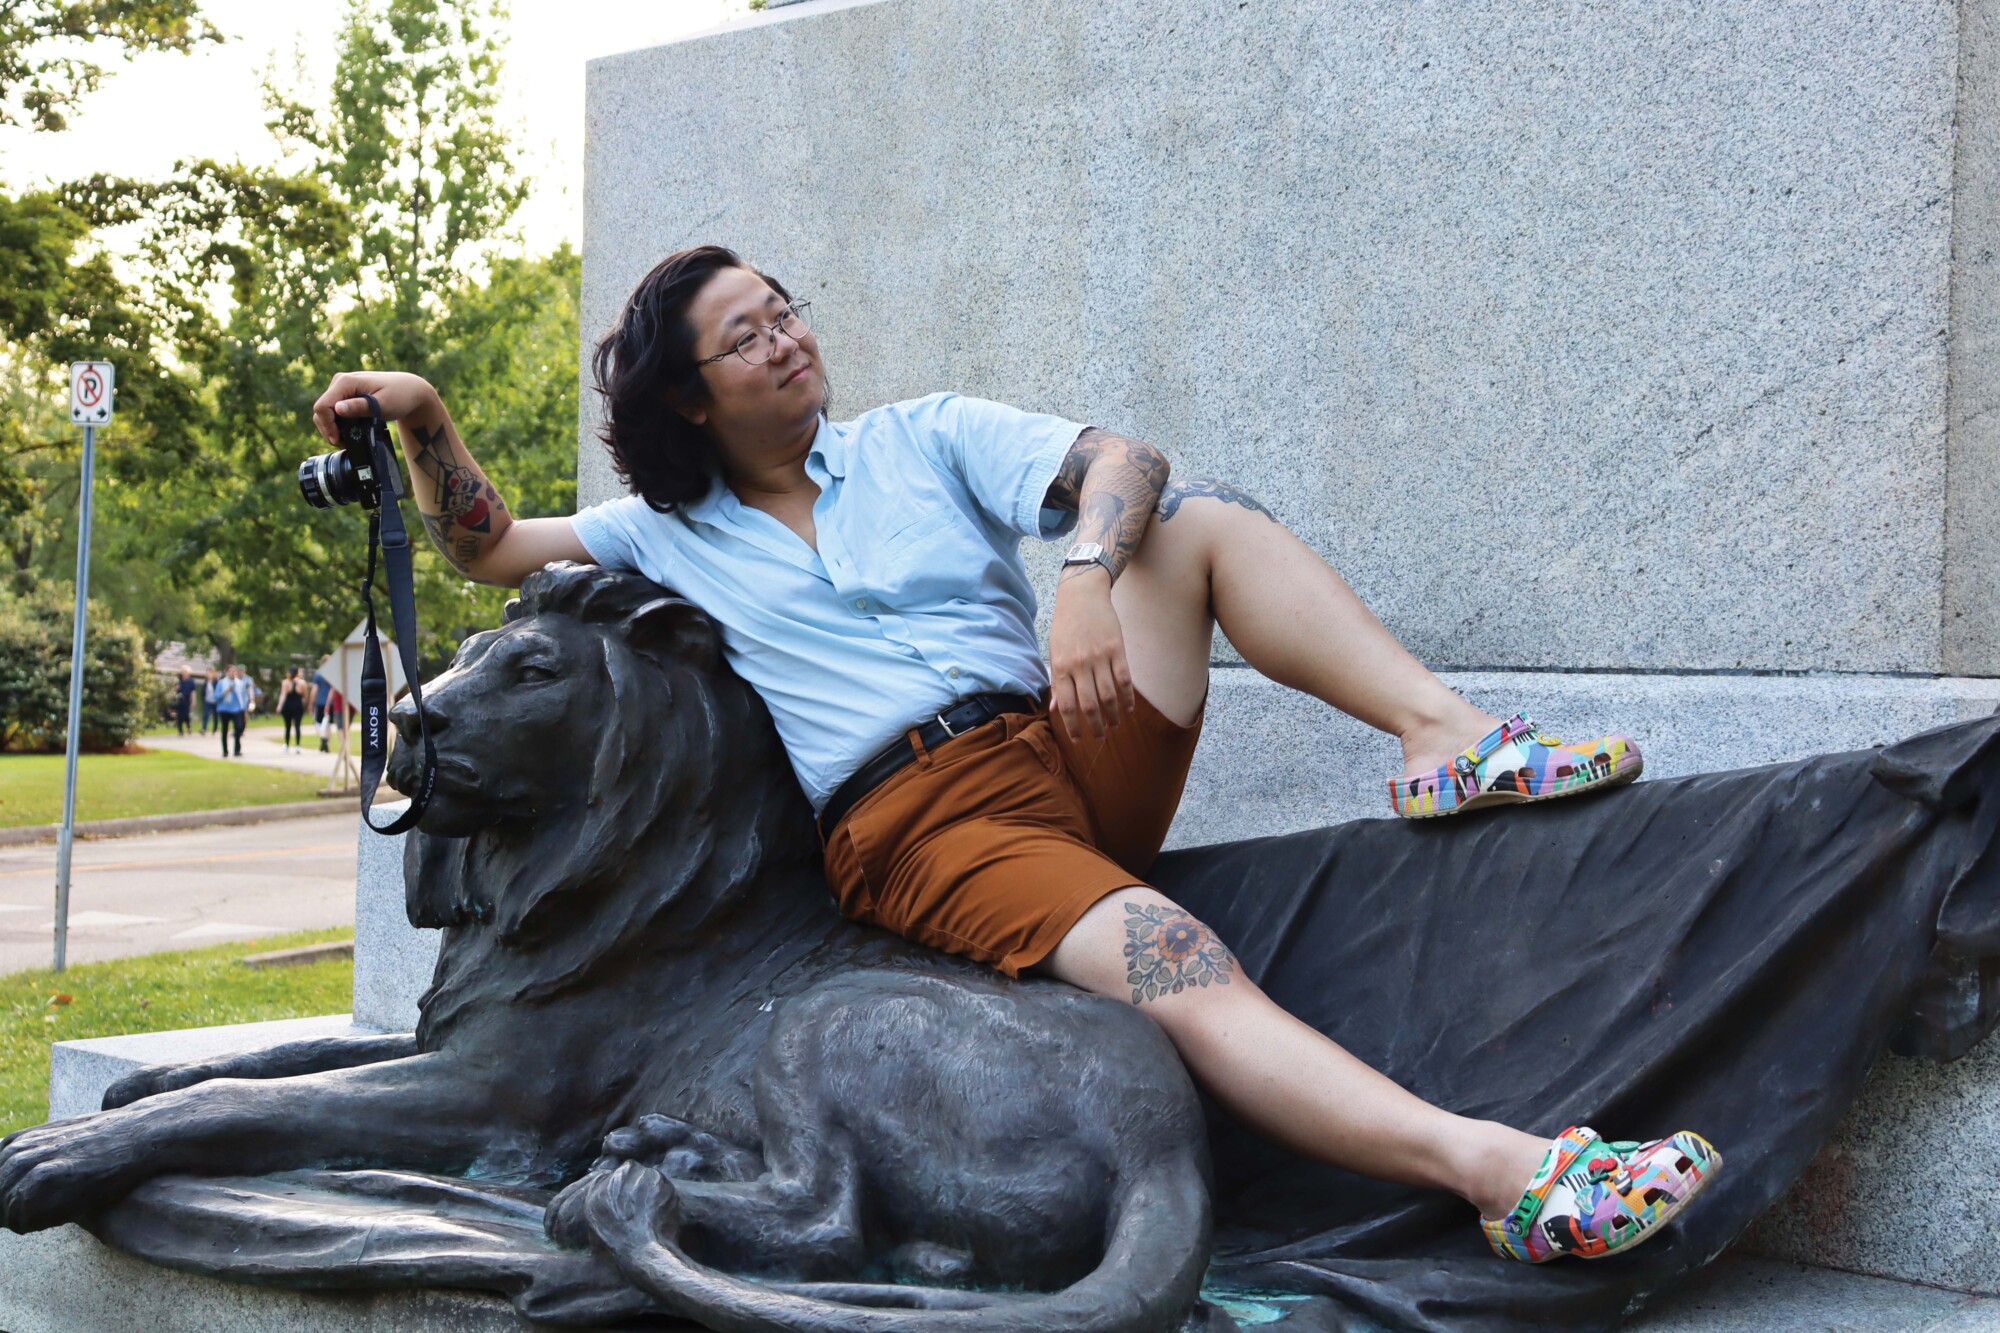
807	1115
867	581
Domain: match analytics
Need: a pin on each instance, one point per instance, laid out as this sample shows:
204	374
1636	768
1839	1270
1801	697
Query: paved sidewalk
264	746
179	890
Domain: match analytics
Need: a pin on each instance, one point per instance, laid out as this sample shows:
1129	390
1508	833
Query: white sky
163	107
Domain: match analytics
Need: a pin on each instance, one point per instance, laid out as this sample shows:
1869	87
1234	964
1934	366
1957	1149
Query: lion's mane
690	795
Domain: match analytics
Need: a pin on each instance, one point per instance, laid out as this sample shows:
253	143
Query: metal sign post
89	407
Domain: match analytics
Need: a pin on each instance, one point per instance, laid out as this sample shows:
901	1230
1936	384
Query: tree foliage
410	142
61	299
45	49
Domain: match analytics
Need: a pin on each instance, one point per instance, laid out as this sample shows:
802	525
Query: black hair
645	366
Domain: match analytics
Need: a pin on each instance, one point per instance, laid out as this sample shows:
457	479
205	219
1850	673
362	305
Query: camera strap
385	529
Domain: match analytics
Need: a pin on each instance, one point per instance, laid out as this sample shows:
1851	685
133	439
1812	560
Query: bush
34	674
161	696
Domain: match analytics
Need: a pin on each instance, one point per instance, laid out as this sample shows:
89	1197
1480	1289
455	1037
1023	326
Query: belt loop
916	737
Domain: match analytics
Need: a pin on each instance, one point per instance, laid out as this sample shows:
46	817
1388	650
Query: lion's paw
678	1151
563	1219
151	1082
632	1207
58	1172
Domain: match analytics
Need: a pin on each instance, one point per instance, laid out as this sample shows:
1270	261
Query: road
179	890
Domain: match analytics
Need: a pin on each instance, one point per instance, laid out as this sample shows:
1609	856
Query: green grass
154	993
154	782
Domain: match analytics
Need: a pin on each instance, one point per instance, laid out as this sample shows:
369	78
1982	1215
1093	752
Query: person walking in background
322	689
231	696
292	708
207	688
185	690
211	696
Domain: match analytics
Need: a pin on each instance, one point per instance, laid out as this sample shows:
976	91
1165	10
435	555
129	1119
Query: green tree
504	359
376	244
375	248
44	66
75	308
60	299
411	142
410	147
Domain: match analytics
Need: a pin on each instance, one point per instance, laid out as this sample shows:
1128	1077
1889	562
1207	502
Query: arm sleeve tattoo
461	510
1112	482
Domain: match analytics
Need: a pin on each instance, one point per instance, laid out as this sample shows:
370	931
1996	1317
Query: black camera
346	476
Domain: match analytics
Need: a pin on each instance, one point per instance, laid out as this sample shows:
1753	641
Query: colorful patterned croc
1590	1198
1515	762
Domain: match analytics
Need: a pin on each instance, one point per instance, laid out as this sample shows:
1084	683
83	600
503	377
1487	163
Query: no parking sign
89	393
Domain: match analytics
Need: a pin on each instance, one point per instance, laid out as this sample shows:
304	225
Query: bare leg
1211	550
1286	1081
1213	553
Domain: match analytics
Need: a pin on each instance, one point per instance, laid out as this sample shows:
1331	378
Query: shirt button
953	673
861	604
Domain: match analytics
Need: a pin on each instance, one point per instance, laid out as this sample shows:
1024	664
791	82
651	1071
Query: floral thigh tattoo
1167	951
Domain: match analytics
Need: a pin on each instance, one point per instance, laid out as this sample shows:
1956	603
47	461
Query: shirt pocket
918	527
933	559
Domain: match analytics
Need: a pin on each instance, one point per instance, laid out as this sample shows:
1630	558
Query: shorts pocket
847	874
1034	734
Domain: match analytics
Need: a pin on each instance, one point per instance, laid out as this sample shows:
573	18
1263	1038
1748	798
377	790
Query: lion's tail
1149	1277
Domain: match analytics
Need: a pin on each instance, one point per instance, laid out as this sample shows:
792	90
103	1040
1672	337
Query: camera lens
326	480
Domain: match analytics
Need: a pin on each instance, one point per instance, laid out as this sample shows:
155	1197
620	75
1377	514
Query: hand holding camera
355	408
400	394
358	473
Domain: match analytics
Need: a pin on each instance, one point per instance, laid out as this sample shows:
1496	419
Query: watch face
1084	553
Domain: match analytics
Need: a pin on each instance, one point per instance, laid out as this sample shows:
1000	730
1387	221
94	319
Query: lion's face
515	721
600	771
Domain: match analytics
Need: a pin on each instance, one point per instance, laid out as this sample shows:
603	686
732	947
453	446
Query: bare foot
1501	1177
1433	745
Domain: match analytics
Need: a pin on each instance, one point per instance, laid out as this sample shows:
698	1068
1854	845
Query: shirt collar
831	444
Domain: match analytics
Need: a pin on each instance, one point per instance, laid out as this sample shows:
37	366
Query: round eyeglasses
757	345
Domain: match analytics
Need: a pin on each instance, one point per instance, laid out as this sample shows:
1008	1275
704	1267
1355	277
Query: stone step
1745	1295
65	1281
1272	760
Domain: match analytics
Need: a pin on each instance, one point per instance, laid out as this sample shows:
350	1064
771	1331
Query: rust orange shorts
996	842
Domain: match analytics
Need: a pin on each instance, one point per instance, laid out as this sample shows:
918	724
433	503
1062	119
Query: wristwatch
1089	553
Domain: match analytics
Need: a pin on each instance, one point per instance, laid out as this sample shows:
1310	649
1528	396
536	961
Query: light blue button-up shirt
916	597
231	694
